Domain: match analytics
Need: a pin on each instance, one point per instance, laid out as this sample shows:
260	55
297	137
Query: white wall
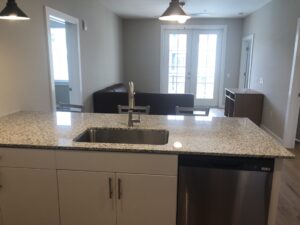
275	28
141	45
9	97
24	56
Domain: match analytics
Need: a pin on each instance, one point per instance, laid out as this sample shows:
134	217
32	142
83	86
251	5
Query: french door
191	64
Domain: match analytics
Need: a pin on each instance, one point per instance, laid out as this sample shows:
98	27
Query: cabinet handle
110	188
119	188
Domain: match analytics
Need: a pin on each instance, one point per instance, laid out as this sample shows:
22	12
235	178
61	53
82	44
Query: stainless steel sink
125	136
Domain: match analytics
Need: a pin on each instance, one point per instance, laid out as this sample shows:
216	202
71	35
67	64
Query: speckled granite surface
191	135
243	91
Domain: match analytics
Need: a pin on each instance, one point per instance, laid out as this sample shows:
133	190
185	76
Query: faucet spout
131	104
131	95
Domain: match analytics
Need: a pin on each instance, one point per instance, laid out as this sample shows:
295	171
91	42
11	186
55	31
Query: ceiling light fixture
12	12
175	12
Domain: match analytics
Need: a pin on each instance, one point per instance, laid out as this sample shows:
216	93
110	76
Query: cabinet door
86	198
146	199
28	197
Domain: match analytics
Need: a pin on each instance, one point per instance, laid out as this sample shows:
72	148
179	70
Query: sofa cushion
107	102
115	88
160	104
164	104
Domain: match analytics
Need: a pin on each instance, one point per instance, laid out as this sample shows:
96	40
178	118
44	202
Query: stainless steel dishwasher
223	190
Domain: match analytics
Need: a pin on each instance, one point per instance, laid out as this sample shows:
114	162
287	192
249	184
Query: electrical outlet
261	80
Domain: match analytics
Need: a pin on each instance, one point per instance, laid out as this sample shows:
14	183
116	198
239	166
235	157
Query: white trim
49	11
275	136
192	27
222	72
293	105
223	53
251	39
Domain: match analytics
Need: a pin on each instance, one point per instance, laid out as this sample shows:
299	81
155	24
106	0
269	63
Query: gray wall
274	27
24	79
141	44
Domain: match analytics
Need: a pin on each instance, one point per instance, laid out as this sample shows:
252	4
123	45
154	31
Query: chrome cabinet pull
119	188
110	188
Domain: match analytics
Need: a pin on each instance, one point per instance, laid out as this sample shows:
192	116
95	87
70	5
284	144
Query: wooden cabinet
244	103
28	196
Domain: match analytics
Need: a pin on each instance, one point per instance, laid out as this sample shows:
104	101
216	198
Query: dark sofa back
107	102
160	104
164	104
115	88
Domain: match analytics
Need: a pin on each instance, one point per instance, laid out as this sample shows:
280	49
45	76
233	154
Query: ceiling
203	8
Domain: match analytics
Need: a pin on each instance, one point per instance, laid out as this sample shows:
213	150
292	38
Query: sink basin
124	136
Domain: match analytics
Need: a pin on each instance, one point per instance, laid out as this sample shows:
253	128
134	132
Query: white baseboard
275	136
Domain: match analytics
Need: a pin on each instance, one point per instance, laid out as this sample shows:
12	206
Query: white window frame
49	11
223	28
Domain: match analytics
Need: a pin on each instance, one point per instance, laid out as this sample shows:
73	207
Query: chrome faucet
131	104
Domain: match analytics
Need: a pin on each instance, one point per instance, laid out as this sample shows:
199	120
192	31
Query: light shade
12	12
175	13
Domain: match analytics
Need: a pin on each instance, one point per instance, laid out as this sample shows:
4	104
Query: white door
192	64
28	197
146	199
176	68
246	61
206	61
86	198
64	58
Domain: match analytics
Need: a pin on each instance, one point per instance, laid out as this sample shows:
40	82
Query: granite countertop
243	91
187	135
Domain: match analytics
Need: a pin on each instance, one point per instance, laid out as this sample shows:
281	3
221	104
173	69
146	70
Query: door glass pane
177	63
206	66
59	51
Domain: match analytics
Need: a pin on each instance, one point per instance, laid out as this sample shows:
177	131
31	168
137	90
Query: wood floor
289	199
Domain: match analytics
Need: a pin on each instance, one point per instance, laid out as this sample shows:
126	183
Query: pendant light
175	13
12	12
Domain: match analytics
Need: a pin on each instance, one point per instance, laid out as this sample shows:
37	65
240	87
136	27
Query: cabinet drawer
117	162
27	158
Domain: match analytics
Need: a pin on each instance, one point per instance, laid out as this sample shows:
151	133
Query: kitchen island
41	163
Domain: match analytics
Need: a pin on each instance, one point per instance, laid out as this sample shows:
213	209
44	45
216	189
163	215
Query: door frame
215	101
246	39
50	11
223	28
165	59
293	105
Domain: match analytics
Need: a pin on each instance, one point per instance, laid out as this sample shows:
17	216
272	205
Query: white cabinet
44	187
142	189
95	198
146	199
86	198
28	196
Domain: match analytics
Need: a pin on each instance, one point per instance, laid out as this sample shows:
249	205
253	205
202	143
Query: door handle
119	188
70	89
110	190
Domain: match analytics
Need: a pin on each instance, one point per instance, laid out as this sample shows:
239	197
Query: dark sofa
108	99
